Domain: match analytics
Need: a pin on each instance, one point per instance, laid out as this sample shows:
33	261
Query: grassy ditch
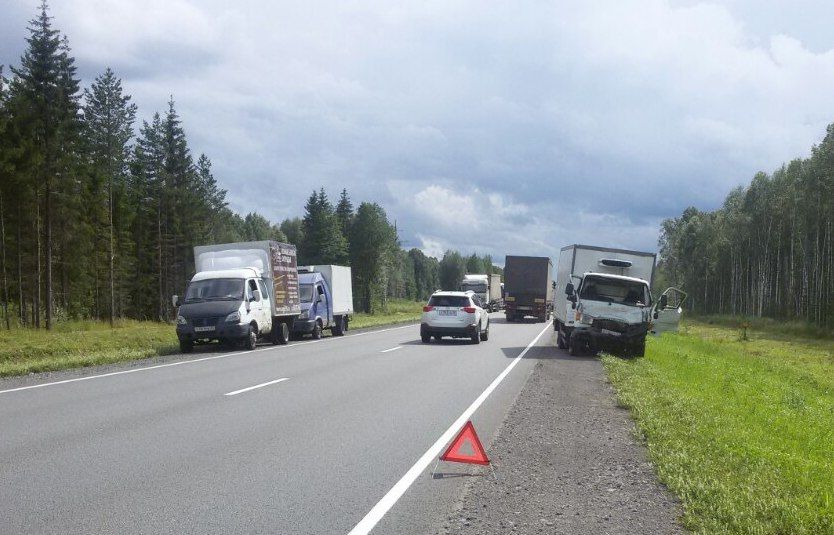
75	344
742	431
82	343
397	311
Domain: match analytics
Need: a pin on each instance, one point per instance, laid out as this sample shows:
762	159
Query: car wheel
317	331
510	318
485	334
476	336
251	340
426	338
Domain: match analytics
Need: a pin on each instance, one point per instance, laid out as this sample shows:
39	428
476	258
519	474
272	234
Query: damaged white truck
603	301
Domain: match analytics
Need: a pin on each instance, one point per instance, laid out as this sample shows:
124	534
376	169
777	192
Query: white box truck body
339	280
603	299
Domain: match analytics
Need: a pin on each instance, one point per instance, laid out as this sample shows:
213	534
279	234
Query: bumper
526	309
604	335
464	331
303	326
222	330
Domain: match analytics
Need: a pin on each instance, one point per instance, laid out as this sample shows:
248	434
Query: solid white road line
387	502
392	349
242	390
192	361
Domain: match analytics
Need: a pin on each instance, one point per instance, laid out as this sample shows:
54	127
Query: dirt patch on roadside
566	461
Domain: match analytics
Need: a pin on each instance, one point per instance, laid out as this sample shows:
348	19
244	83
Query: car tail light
469	310
428	308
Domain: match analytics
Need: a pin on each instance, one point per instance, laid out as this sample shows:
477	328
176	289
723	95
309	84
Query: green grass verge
741	431
82	343
397	311
76	344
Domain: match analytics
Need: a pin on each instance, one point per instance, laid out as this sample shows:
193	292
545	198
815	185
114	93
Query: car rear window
449	301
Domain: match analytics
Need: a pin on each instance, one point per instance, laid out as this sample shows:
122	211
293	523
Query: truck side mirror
175	300
256	295
569	290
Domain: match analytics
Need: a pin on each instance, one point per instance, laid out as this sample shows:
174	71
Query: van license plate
203	329
447	312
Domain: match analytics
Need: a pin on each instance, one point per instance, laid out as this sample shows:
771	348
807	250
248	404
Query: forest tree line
98	220
767	251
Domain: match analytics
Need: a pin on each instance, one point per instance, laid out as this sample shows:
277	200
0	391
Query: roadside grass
397	311
75	344
741	431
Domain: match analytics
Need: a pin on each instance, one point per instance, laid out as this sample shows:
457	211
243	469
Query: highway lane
314	435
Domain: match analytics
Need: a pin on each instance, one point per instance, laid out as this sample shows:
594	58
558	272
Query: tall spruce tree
293	229
371	251
323	241
108	118
49	91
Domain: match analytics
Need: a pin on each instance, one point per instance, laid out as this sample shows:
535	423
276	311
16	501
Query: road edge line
378	511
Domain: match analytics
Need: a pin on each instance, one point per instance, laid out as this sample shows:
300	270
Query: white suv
454	314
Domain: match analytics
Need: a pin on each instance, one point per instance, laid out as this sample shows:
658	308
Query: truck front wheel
251	340
639	349
186	345
317	330
561	342
574	346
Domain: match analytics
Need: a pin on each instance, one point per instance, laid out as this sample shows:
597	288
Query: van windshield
623	292
214	290
306	292
477	287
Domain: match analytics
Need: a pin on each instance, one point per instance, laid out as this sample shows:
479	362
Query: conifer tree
49	91
108	118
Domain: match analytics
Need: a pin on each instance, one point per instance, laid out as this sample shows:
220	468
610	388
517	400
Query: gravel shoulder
566	460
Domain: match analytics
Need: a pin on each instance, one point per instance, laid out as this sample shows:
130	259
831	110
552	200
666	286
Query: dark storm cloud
501	128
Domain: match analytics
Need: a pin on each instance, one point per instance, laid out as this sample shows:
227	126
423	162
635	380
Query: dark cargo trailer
528	287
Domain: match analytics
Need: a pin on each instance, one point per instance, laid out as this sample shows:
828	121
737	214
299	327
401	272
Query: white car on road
456	315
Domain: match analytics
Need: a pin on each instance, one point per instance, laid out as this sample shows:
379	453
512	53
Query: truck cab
225	305
326	300
617	312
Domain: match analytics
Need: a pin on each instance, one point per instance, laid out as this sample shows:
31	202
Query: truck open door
666	313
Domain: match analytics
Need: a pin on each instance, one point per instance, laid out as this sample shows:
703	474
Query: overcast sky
497	127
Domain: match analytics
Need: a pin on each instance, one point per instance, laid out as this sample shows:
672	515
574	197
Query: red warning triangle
454	454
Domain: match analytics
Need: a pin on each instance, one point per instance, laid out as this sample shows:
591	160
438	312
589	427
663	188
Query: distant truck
326	300
241	292
603	300
528	287
486	287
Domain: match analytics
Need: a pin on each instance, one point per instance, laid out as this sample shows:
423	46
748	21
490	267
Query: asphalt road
191	447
